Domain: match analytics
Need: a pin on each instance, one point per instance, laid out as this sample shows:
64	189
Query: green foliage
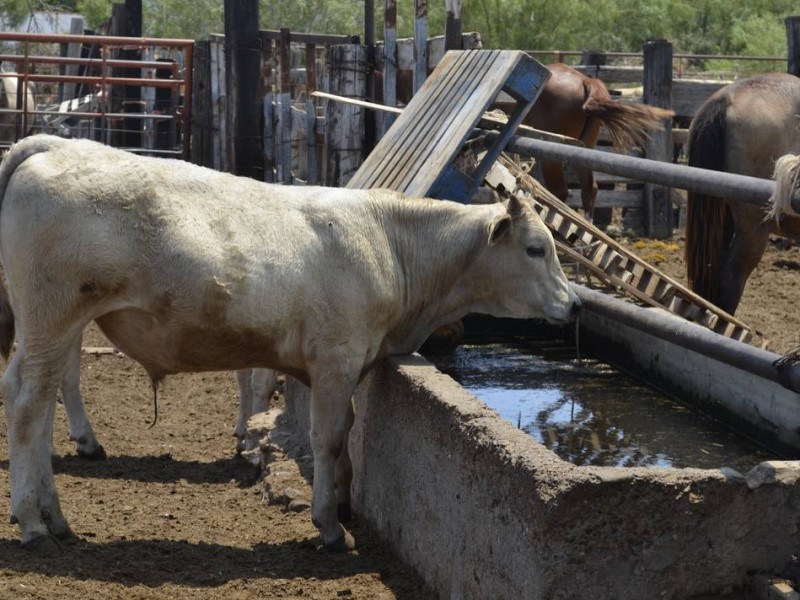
755	27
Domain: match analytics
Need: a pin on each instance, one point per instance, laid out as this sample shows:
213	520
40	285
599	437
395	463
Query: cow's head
523	269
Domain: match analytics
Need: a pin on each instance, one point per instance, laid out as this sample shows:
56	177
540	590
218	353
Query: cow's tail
628	123
709	228
15	157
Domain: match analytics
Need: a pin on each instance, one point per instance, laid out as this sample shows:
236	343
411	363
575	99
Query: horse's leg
748	245
80	428
553	175
30	384
589	135
588	190
331	410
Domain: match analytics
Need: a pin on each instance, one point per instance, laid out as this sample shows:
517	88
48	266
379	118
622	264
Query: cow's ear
499	228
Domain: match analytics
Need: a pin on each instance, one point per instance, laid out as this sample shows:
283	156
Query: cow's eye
534	250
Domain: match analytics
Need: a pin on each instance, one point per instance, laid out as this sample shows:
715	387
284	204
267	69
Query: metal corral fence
122	91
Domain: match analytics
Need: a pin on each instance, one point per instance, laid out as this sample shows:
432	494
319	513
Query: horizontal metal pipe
690	336
751	190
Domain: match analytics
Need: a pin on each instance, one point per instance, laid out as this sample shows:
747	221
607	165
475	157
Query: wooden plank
456	81
392	155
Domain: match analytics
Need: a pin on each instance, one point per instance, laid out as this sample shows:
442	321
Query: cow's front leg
80	428
30	396
330	420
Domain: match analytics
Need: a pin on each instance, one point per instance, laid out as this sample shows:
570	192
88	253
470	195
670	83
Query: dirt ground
173	513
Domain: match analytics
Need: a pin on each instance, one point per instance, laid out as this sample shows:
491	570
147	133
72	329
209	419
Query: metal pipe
751	190
688	335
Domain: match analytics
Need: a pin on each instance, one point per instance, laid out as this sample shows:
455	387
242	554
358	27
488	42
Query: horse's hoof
345	543
344	512
43	545
98	454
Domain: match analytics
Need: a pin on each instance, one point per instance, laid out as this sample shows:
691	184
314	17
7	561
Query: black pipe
693	337
751	190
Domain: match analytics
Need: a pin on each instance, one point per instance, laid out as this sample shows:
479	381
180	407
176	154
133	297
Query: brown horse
575	105
742	128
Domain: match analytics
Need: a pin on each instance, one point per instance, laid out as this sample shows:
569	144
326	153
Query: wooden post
284	136
311	115
658	92
389	62
126	21
243	80
420	43
202	120
345	122
219	108
793	45
72	50
452	25
370	126
268	74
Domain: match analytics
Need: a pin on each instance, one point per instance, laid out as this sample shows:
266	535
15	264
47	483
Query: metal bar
62	60
105	40
133	81
751	190
307	38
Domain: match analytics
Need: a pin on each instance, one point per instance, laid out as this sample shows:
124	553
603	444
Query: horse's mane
709	229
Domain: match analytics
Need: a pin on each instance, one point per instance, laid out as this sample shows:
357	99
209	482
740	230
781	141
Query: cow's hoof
346	543
344	512
67	537
43	545
98	454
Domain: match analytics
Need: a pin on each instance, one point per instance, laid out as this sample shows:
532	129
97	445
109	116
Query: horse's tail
627	122
15	157
709	229
787	177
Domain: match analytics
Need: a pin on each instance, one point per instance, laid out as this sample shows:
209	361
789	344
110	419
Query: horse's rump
709	228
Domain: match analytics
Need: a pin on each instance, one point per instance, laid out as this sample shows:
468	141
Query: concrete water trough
481	510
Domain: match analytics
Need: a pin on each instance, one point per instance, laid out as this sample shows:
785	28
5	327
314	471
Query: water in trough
590	413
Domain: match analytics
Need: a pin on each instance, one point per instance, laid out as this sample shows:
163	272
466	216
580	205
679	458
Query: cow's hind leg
80	428
30	384
343	475
256	387
331	410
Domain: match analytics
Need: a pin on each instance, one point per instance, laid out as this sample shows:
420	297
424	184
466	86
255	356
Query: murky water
589	413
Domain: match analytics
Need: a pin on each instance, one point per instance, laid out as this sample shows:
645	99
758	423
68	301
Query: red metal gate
134	93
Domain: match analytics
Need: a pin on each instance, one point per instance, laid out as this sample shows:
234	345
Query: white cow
187	269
